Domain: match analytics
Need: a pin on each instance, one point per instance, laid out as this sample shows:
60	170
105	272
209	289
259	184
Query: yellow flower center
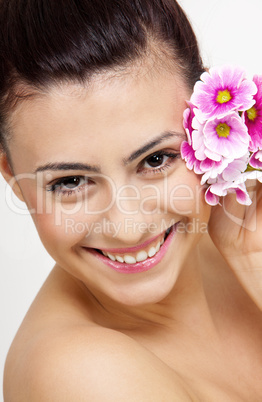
223	96
252	113
223	130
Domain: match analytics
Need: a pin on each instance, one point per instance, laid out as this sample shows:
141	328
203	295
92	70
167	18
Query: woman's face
100	170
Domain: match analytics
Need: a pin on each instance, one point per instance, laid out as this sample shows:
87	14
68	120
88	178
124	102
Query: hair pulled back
43	42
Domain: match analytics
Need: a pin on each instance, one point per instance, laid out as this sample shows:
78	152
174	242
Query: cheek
60	230
65	226
53	234
186	196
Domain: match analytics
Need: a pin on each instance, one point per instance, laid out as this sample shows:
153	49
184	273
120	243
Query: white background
229	31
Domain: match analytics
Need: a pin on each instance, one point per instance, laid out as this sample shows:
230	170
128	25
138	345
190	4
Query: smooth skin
186	330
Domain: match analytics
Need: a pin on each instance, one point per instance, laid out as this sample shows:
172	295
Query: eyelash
57	185
172	156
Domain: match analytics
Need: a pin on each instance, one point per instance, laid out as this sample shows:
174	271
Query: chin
144	292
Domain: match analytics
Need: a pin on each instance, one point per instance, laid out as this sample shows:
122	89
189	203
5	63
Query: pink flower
217	190
224	144
210	197
188	154
198	143
252	175
188	116
194	127
187	150
212	169
256	160
222	90
230	179
253	117
233	172
207	167
195	152
226	136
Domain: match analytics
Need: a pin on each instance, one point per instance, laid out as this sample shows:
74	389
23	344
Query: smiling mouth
142	255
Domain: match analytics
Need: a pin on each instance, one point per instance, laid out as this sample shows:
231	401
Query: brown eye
71	182
155	160
158	162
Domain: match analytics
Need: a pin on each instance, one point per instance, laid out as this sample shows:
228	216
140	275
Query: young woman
141	304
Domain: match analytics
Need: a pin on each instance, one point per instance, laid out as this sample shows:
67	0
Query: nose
127	219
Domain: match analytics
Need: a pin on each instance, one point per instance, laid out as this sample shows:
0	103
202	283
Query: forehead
110	88
124	109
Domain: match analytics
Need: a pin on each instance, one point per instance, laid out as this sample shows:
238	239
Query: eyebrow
96	169
68	166
162	137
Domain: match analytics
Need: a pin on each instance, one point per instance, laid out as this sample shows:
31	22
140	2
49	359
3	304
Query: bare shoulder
89	364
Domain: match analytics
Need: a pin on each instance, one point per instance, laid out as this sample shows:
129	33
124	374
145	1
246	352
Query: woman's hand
236	231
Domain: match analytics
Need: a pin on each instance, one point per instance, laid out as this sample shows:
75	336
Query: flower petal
235	142
211	199
253	117
256	160
223	89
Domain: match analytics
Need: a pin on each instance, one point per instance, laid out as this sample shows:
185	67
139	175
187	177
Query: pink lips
138	267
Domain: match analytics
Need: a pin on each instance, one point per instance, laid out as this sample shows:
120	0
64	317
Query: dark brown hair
43	42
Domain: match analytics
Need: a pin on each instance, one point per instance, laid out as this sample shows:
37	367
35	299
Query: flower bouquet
223	123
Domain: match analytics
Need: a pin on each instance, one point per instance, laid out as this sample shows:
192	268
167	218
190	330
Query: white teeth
141	256
152	252
129	259
111	257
